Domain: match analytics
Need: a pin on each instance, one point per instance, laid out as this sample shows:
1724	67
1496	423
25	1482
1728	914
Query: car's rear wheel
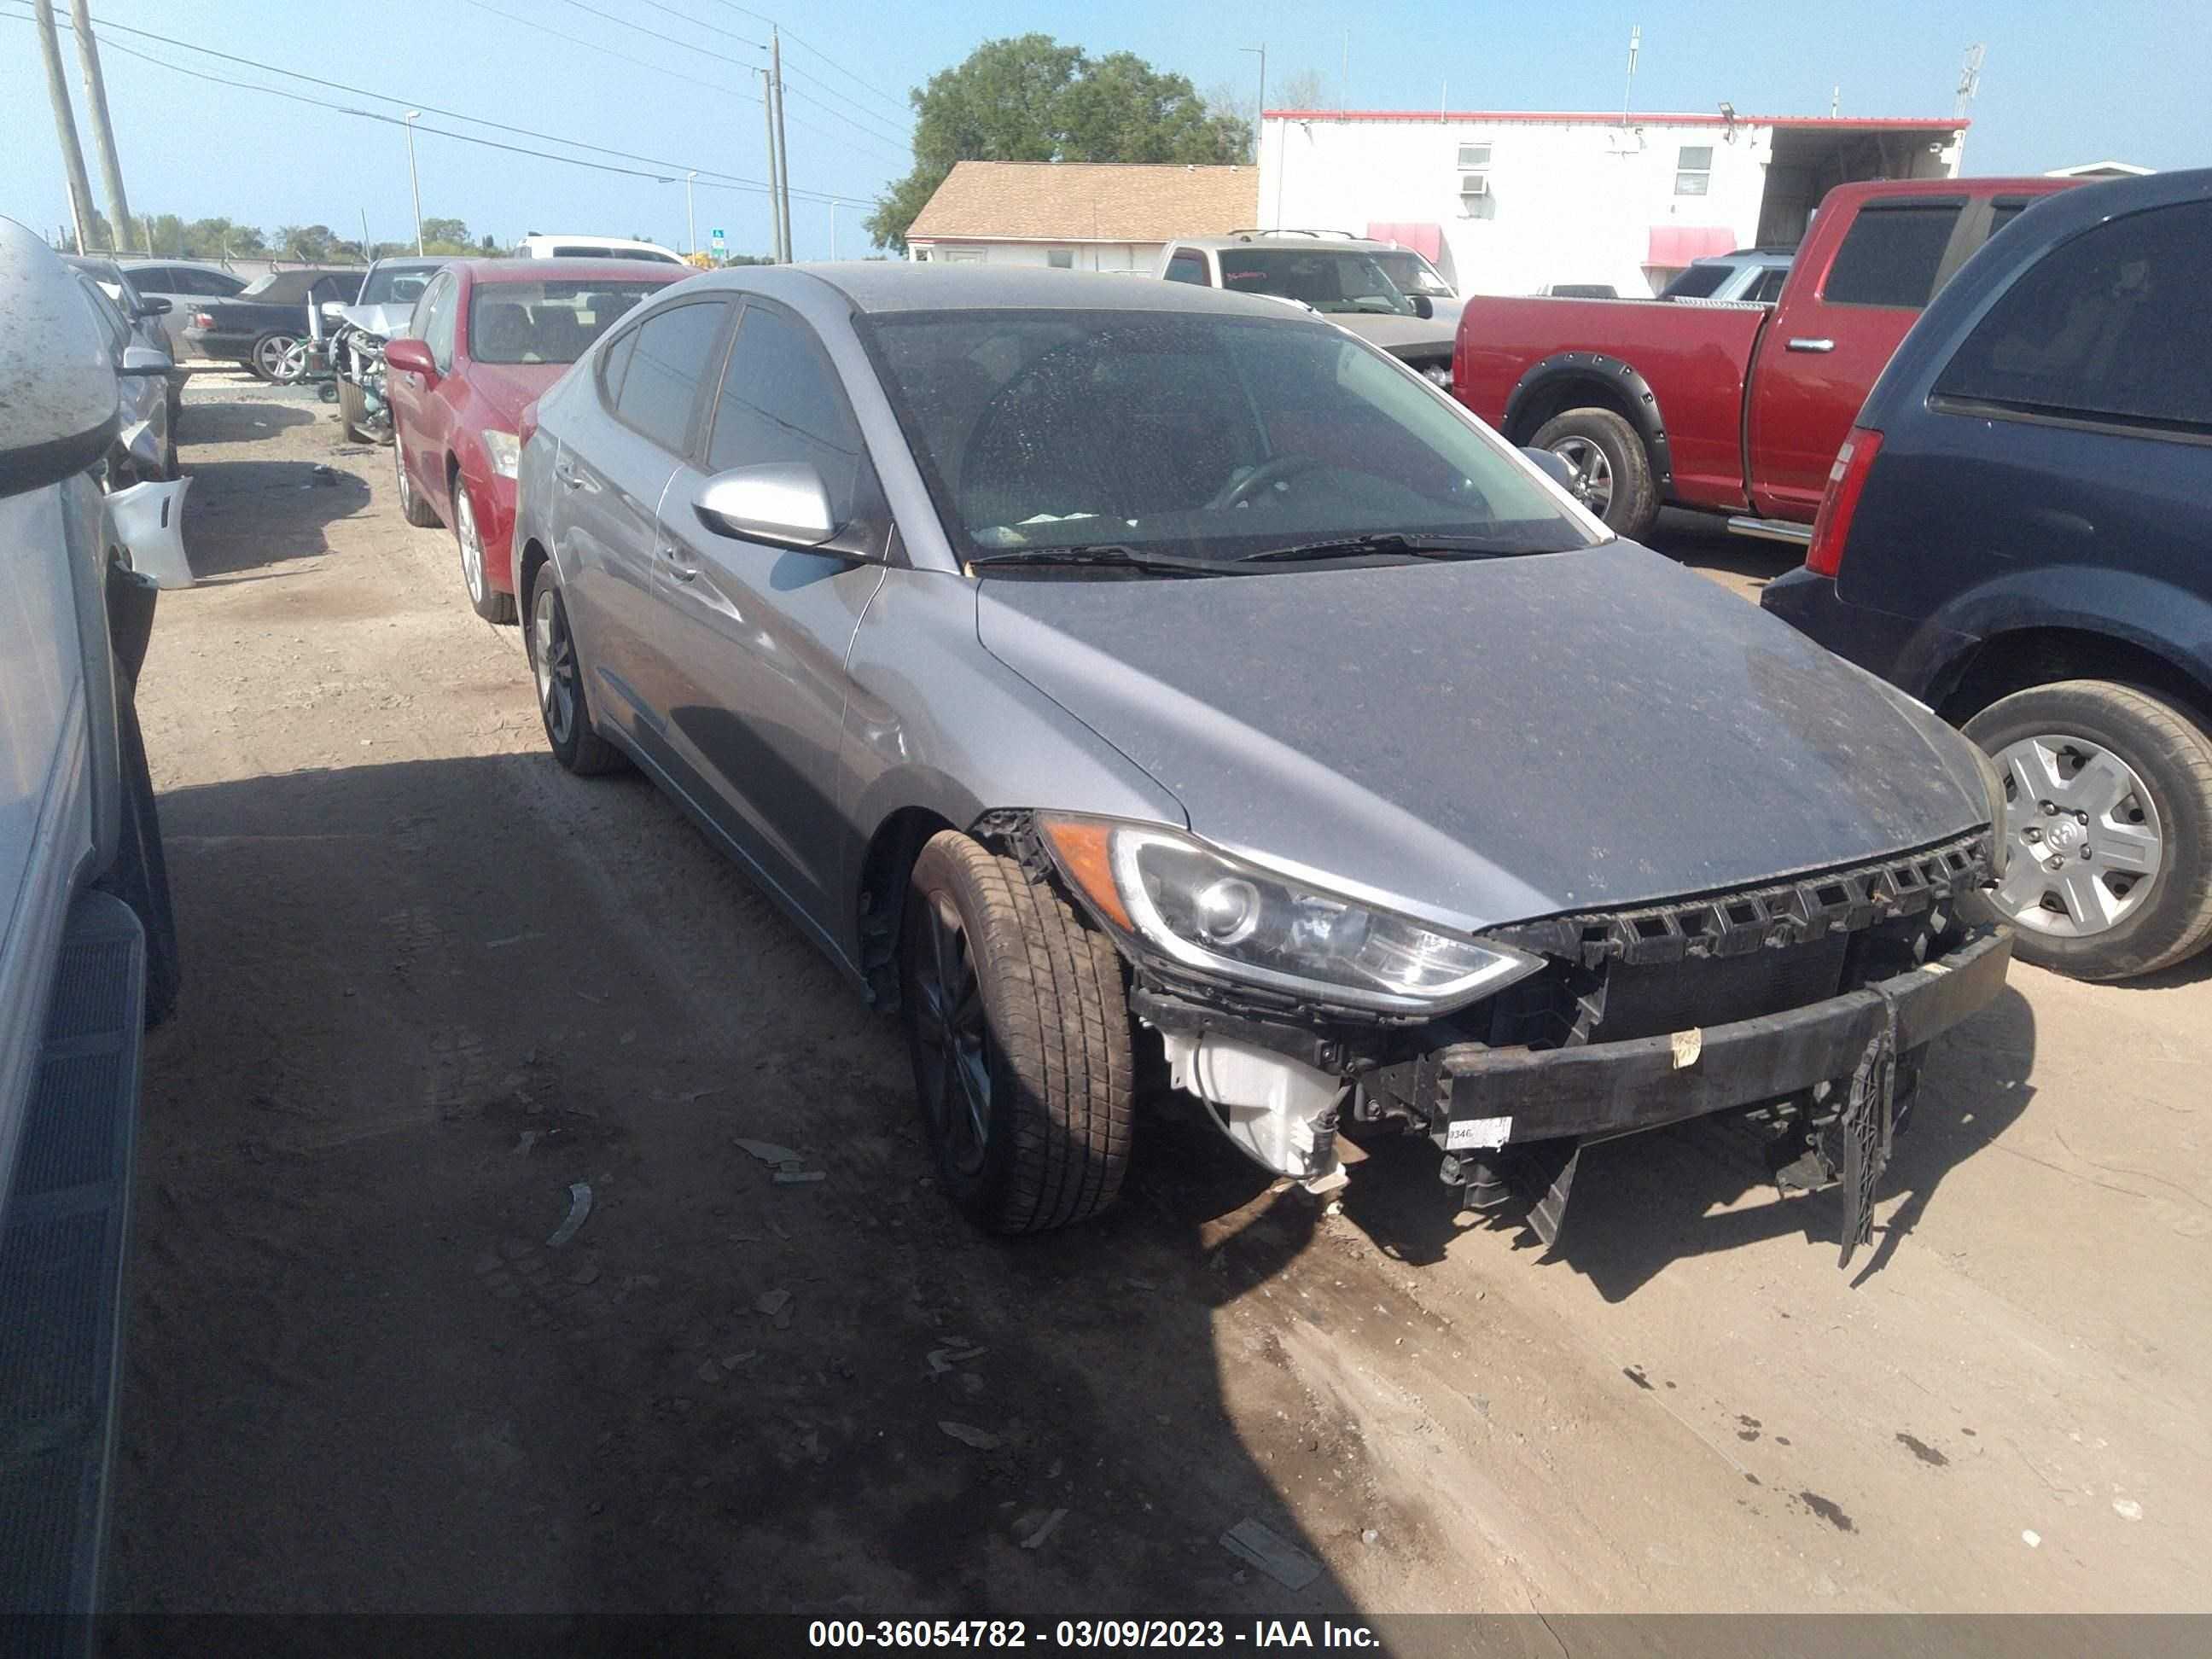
1019	1031
2108	827
558	672
484	599
279	359
1611	474
416	511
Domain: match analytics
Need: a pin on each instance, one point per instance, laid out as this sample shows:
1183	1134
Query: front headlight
505	451
1993	783
1222	915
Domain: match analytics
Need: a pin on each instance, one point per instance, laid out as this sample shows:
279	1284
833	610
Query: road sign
721	247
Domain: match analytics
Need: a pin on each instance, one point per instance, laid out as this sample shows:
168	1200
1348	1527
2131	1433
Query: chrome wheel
553	661
281	358
465	533
406	483
1593	474
2083	836
954	1038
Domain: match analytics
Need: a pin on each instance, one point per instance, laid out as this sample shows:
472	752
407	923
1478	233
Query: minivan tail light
1832	526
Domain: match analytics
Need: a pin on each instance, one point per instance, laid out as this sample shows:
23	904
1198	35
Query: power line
896	102
851	116
688	45
708	179
593	45
698	23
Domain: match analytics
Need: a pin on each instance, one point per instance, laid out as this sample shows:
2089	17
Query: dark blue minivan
2019	533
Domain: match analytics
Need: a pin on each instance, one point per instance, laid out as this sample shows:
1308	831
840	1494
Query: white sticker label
1688	1045
1469	1133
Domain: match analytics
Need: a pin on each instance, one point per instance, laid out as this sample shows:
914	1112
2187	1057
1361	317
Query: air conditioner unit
1473	185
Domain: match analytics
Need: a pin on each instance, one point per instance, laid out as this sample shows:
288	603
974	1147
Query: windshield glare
402	285
553	322
1413	274
1332	280
1203	437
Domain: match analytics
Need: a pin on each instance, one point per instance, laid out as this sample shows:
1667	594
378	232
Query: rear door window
674	352
1698	283
1189	267
1891	255
1770	285
2111	326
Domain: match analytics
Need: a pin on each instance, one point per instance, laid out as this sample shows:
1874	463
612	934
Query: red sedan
487	337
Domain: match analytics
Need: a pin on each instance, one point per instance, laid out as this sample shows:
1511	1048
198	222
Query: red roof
1870	123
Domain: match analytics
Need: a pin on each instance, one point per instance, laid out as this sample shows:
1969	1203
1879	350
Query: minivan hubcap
955	1039
553	659
1593	479
2082	834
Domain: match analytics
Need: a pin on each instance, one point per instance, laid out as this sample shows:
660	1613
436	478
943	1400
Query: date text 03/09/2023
1077	1635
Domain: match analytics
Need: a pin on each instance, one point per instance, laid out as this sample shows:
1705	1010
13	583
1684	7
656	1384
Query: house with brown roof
1079	216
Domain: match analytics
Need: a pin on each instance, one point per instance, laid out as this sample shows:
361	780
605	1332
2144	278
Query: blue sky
2063	83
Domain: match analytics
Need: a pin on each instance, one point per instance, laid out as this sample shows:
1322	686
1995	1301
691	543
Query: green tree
1028	98
454	231
307	242
1303	90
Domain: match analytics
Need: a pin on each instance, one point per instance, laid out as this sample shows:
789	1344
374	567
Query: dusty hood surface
1401	335
385	320
1491	741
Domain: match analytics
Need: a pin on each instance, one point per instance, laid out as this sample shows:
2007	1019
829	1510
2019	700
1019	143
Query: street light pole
1260	116
691	225
414	180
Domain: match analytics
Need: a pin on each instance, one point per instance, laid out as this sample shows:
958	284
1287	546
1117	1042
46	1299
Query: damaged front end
1803	1006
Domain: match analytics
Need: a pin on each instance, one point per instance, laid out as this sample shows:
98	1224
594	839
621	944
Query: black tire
1627	497
269	346
351	407
574	743
487	601
412	508
2170	754
1050	1029
140	874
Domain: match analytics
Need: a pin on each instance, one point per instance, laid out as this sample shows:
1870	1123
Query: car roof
885	285
1304	243
572	270
427	262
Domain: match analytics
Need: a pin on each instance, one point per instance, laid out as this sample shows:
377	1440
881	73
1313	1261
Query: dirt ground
432	980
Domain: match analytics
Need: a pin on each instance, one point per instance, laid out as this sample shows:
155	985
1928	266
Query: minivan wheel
558	673
1612	475
1020	1034
2108	827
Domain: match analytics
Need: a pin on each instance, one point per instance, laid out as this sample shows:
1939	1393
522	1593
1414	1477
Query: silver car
1134	681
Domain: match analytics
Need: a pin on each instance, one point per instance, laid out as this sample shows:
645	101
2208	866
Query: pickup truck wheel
2108	826
1612	474
558	672
1019	1035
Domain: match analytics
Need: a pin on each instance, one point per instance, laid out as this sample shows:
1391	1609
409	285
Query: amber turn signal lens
1086	853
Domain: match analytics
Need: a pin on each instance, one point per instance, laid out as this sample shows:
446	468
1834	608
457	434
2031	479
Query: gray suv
1142	686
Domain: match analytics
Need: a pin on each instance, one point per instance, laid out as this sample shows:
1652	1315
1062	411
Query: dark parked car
265	327
1133	680
2019	533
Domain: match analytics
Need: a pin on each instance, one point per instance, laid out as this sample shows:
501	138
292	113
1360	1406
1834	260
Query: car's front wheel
2108	827
1019	1030
484	599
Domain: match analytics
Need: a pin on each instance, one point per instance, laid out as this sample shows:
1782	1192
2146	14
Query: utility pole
80	187
1635	44
103	133
775	221
1970	81
1260	114
414	180
690	224
367	252
783	145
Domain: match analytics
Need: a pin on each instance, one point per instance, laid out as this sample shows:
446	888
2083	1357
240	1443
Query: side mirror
412	355
785	502
1553	467
155	307
1423	305
334	309
143	360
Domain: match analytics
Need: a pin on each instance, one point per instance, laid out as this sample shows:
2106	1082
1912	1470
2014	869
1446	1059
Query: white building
1507	202
1078	215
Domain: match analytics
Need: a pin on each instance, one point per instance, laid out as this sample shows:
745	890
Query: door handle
567	475
673	552
1812	345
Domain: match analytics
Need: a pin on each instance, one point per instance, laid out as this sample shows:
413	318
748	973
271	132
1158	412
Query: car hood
1484	742
509	388
1397	335
382	320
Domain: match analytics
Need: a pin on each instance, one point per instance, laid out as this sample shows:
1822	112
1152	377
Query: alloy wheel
1592	473
406	483
465	533
2084	837
553	661
281	357
954	1037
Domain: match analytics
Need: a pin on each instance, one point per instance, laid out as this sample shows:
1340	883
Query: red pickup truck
1734	407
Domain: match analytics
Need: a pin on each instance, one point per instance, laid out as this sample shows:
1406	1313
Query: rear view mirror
1553	467
58	416
143	360
411	356
1423	305
155	307
785	502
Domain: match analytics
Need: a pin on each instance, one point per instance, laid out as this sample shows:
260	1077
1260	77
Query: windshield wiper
1110	555
1390	541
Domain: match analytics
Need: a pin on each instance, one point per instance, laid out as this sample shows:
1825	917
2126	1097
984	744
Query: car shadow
422	1000
1643	1202
227	518
242	420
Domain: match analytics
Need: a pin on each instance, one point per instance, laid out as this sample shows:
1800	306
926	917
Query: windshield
1334	280
397	285
1206	437
550	322
1413	274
